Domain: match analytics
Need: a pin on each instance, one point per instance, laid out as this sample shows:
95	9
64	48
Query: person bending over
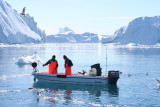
68	65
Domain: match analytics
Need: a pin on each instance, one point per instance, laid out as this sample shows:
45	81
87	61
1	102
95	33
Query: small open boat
94	76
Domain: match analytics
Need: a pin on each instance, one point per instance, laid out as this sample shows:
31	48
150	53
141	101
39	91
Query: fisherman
68	64
53	65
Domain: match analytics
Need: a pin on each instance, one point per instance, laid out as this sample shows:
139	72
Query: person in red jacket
53	65
68	65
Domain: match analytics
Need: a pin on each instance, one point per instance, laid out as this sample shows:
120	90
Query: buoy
34	64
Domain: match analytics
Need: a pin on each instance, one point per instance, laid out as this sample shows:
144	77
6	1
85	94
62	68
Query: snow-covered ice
22	29
15	28
28	59
67	35
142	30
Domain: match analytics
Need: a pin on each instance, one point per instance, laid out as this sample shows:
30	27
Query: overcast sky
96	16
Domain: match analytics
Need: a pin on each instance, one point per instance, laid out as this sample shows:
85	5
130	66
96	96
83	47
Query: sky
102	17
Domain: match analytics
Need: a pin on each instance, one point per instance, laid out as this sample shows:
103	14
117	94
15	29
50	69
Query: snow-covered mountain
68	35
65	30
15	28
142	30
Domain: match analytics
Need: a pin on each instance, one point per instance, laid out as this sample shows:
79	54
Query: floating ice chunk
133	45
29	59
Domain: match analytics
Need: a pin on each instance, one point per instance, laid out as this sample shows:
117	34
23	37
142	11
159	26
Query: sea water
137	86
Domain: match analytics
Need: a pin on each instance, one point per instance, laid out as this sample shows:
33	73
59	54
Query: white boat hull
56	78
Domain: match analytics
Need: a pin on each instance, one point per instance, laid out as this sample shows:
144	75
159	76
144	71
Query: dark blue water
136	87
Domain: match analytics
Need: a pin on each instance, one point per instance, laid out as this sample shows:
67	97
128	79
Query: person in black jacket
53	65
68	65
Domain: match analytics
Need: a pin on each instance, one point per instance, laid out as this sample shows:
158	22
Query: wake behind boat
94	76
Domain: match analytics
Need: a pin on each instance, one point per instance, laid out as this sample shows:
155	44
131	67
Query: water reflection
67	93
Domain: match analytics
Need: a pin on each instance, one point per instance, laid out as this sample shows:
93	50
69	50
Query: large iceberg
15	28
142	30
68	35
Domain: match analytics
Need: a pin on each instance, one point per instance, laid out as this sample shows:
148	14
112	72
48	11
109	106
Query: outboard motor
113	76
98	68
34	65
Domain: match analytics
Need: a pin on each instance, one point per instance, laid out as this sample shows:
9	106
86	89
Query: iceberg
16	28
142	30
28	59
68	35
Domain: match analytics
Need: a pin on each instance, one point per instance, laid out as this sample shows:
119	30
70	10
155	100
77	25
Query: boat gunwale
71	76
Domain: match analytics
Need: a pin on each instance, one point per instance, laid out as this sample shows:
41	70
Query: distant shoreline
109	45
